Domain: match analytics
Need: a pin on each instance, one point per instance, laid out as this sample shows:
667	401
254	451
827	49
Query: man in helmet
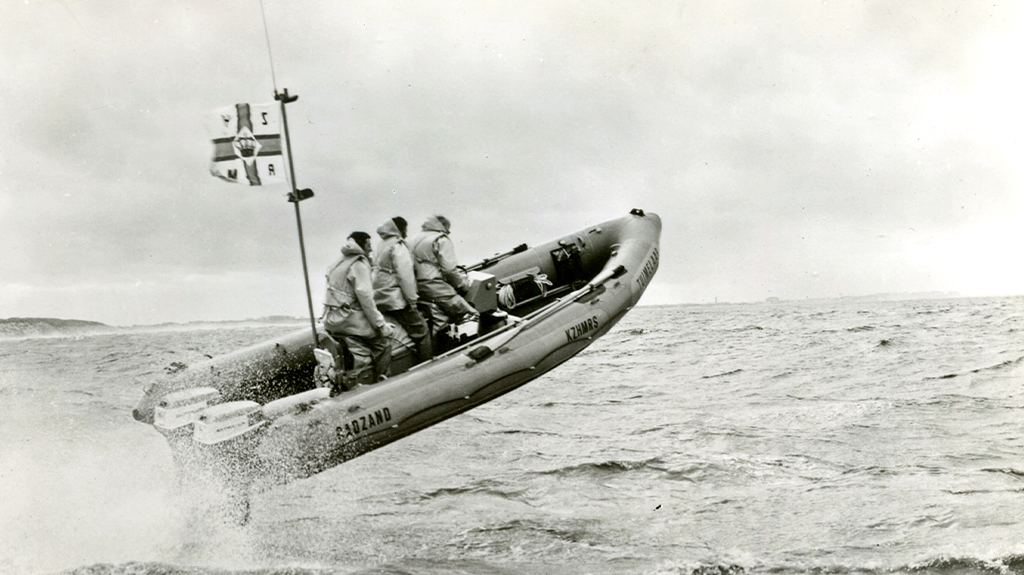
349	310
438	277
394	286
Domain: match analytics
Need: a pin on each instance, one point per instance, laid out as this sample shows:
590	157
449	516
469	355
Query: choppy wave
845	438
1005	470
723	374
1009	565
486	487
1007	364
572	535
966	565
609	467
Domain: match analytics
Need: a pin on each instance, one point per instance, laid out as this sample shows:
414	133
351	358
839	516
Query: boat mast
296	195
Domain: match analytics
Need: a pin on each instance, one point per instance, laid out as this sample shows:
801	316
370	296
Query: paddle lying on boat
256	417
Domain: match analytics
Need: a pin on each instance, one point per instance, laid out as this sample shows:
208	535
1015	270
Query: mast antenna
270	54
296	195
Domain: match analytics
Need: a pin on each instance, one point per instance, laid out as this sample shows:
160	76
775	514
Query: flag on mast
247	145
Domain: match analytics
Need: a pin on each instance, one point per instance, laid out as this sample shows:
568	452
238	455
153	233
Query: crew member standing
350	313
438	277
394	286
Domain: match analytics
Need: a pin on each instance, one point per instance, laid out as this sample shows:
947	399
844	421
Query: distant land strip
22	327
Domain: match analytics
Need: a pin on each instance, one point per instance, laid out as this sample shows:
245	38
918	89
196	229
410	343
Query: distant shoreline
23	327
29	327
878	297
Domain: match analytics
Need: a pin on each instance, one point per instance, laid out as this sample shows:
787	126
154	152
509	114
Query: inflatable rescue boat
258	417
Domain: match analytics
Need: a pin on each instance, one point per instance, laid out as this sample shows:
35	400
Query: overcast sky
794	149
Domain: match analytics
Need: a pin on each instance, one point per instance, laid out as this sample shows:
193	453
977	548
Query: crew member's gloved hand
387	330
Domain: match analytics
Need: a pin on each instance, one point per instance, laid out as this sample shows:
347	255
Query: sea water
840	436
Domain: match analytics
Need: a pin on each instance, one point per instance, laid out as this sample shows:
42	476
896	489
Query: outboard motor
483	296
182	408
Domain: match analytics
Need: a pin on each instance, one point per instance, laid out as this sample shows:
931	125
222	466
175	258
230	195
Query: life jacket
426	260
394	289
342	295
343	312
437	271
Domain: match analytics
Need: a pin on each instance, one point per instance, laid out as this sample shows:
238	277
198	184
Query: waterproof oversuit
438	277
394	287
351	315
